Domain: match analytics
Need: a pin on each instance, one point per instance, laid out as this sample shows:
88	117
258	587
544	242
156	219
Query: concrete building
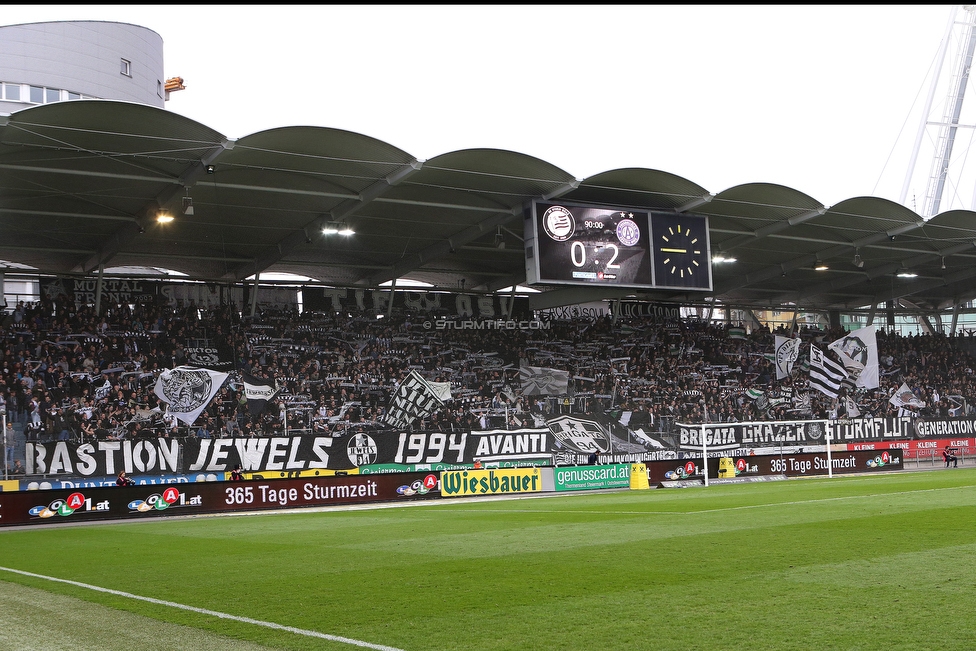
42	63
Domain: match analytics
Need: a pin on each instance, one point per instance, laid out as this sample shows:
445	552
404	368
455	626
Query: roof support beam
353	203
770	229
70	215
450	245
697	202
871	274
120	238
807	260
918	287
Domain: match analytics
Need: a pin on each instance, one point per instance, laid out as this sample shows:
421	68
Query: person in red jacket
949	455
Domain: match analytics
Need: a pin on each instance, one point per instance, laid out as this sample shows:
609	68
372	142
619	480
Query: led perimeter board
572	244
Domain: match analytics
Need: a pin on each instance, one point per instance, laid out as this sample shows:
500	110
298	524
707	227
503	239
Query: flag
754	394
787	351
737	333
762	403
826	375
187	391
415	398
258	393
540	381
103	391
861	348
903	397
851	407
960	405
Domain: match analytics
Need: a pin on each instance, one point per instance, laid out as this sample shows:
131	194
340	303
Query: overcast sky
825	99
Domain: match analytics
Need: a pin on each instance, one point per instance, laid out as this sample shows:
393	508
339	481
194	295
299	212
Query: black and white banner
415	398
734	436
258	392
215	358
187	391
563	440
447	304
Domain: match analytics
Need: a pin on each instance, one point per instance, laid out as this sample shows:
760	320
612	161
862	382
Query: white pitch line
702	511
212	613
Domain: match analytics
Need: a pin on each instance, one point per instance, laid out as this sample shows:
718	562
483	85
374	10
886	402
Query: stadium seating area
70	374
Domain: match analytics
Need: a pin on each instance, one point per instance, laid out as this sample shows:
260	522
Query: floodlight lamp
820	266
211	169
345	229
188	206
905	273
858	262
164	218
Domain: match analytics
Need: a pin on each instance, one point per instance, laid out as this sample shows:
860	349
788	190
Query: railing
933	458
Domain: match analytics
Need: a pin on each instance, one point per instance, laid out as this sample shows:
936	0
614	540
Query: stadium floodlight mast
827	438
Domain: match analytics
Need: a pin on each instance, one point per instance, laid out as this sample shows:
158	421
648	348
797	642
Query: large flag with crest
415	398
905	398
187	391
859	350
541	381
787	351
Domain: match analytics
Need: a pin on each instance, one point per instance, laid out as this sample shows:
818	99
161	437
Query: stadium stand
69	375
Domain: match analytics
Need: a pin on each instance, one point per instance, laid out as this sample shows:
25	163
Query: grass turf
868	562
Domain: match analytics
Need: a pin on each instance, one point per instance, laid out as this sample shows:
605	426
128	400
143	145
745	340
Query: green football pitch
865	562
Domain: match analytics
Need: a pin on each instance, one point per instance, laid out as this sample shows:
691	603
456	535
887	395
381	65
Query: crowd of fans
70	374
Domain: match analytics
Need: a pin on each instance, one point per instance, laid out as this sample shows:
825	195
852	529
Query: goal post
813	435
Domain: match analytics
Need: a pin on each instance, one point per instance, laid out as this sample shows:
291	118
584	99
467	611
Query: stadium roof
83	181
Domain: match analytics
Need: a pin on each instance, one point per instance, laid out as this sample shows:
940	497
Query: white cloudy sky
825	99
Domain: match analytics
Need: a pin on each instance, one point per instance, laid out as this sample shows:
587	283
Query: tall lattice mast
939	129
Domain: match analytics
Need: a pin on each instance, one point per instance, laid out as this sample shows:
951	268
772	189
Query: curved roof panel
82	182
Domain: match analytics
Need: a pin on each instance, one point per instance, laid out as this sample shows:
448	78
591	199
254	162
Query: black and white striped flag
415	398
826	375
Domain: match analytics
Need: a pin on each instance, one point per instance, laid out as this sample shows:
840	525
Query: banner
145	501
219	358
579	478
187	391
566	440
415	398
83	291
861	347
540	381
490	482
733	436
449	304
925	428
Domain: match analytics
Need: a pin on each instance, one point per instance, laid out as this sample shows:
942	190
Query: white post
830	464
6	469
704	454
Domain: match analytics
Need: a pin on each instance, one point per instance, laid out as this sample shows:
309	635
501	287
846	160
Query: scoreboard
570	244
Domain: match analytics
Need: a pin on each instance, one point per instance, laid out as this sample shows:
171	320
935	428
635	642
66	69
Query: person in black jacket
124	480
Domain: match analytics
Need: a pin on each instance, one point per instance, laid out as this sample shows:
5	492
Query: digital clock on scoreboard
589	245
